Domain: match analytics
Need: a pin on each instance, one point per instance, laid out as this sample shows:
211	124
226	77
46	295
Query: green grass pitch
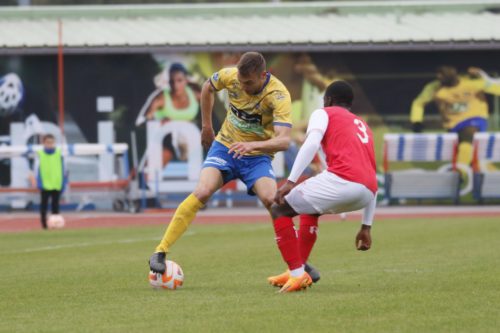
422	275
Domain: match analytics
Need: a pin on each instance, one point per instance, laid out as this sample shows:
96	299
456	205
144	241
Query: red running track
18	222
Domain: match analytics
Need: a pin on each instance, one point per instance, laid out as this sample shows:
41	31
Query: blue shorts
480	123
248	169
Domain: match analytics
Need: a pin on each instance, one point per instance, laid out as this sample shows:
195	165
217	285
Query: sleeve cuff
212	84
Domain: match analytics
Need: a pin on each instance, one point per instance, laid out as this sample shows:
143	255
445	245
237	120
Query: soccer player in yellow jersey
461	102
257	124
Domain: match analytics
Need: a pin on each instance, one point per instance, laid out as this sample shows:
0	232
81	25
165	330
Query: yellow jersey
252	117
456	104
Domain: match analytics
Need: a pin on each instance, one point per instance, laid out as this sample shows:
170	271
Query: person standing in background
50	177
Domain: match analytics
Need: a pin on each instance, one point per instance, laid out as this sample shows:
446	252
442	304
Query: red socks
288	243
295	251
308	233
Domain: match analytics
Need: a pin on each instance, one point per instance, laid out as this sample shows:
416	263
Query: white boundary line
89	244
112	242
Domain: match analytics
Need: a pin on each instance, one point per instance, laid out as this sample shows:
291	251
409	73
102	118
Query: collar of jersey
268	77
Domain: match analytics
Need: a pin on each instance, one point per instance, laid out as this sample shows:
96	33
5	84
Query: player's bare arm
279	142
492	85
157	104
207	104
475	71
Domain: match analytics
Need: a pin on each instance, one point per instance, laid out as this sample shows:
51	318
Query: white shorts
327	193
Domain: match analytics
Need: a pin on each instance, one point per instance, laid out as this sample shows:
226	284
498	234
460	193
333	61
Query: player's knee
267	201
203	193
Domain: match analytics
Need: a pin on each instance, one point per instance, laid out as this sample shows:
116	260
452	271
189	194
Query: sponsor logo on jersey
245	116
244	126
215	77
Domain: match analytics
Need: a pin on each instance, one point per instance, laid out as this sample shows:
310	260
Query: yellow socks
182	218
464	155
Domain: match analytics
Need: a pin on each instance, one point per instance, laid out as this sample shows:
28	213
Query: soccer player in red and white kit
348	184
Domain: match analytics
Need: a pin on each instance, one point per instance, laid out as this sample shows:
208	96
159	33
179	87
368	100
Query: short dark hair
447	75
177	67
251	63
341	93
47	137
446	70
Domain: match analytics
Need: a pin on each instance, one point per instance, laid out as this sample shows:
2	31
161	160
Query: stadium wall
386	84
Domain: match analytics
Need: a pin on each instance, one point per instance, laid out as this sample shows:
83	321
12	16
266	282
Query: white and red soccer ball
56	221
172	278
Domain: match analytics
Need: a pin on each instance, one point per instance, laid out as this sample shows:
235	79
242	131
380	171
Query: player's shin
286	238
307	234
183	216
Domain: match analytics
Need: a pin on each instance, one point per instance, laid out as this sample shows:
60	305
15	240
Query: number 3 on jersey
362	128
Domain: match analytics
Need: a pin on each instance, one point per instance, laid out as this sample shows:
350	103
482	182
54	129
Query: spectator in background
461	102
179	101
50	177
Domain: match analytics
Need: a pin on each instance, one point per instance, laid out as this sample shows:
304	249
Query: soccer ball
172	278
55	222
